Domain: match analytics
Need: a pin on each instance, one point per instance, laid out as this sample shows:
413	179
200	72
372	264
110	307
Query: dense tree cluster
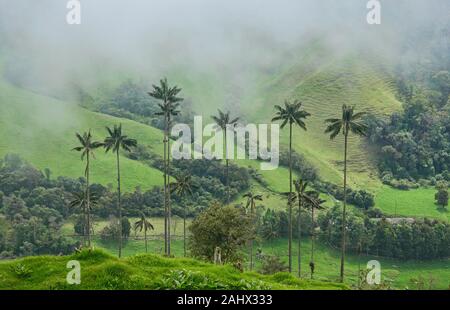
35	205
299	164
359	198
417	239
224	229
32	210
130	100
414	143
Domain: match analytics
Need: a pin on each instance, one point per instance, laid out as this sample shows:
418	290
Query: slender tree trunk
88	202
299	237
169	209
289	200
165	185
312	240
359	265
184	230
119	207
227	180
251	241
145	239
344	208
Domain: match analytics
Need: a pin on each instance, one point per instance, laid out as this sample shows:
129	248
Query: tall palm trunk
299	237
344	208
165	185
227	180
145	239
359	264
184	231
251	243
119	207
169	210
312	241
289	200
88	203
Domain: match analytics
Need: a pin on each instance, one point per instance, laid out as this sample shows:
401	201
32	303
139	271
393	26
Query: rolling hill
42	131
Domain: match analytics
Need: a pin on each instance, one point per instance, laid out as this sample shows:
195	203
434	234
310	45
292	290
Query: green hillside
42	131
103	271
323	83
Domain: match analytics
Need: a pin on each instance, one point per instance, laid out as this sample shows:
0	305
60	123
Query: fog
147	38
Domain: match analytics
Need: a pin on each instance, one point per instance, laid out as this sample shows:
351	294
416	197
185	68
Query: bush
188	280
21	271
226	227
272	264
112	230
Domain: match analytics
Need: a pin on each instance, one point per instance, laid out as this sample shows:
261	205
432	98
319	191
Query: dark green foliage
274	224
226	227
21	271
441	196
195	280
111	232
415	142
299	165
272	264
420	239
130	100
361	198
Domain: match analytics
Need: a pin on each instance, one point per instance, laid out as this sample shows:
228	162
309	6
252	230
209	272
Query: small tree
441	196
143	224
228	228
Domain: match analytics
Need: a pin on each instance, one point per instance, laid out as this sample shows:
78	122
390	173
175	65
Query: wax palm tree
270	227
315	204
292	114
223	120
183	187
303	198
87	147
251	203
349	122
168	109
143	224
115	141
80	201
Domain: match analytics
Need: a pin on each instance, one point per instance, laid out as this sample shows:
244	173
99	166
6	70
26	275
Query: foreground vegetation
396	274
100	270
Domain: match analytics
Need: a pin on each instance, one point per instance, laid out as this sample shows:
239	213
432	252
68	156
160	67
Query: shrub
21	271
226	227
272	264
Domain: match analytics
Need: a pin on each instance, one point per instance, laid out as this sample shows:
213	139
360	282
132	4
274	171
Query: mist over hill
230	40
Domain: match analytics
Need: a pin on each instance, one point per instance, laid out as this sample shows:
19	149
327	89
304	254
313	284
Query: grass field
42	131
415	203
398	273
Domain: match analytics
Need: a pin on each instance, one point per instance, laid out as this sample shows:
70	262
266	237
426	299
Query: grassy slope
42	130
416	203
103	271
323	83
398	272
